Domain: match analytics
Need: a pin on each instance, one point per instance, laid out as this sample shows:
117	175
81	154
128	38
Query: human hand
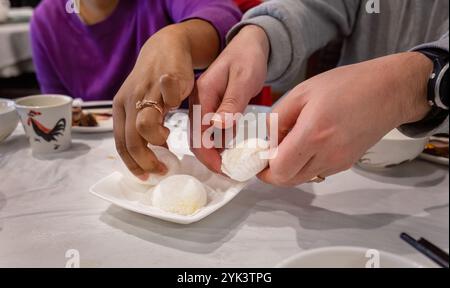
236	76
164	73
328	122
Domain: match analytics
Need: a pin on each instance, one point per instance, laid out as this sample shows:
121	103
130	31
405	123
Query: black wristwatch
438	90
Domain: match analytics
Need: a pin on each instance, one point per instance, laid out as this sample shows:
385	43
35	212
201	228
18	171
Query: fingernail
143	177
217	121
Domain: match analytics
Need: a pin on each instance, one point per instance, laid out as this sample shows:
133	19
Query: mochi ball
245	161
180	194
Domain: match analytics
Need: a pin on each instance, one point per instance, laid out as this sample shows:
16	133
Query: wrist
258	36
173	37
419	68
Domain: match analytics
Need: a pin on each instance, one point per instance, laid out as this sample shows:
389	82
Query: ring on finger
140	105
318	179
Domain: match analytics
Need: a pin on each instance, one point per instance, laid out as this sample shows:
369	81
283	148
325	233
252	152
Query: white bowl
394	149
8	118
347	257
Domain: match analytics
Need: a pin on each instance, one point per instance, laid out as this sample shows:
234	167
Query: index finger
137	147
295	149
210	157
120	141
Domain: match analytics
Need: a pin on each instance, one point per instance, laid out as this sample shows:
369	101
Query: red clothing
245	5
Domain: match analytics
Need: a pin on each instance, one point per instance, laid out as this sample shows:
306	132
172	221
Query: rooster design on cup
44	132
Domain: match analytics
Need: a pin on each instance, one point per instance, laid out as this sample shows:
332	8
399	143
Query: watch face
443	89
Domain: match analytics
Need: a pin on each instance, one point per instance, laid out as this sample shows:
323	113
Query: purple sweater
92	62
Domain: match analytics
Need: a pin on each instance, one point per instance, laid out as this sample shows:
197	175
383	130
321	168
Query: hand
230	83
164	72
328	122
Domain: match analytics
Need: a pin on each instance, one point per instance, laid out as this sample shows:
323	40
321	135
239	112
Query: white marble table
46	209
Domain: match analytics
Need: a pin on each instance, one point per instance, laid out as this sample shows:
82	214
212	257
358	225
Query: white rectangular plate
131	196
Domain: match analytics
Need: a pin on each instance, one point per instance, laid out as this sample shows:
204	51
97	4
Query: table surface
46	209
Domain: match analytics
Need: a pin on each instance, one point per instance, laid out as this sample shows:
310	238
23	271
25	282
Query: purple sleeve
222	14
49	81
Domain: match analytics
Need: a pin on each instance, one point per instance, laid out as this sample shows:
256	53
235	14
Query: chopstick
428	249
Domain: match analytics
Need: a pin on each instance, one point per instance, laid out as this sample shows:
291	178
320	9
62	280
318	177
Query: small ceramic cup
47	120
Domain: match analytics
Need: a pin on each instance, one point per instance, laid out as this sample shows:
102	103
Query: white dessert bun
246	160
180	194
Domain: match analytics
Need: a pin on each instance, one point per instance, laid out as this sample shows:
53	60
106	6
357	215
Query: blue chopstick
428	249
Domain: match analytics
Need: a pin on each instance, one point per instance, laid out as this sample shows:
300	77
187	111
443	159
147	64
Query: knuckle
133	149
117	100
316	138
229	103
301	89
240	72
139	90
142	125
134	169
203	82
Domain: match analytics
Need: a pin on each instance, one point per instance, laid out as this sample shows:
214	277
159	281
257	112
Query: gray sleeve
439	123
441	44
296	29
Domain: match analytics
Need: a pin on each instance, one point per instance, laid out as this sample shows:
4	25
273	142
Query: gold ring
149	104
318	179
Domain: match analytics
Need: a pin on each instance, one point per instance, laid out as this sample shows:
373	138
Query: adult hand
164	73
328	122
236	76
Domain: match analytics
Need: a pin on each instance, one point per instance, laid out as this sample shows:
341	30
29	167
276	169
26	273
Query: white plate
347	257
103	126
434	159
131	196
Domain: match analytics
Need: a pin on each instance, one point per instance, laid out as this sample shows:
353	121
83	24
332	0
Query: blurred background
24	3
17	77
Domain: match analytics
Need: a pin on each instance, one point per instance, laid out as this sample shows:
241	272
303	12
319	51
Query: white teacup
4	10
47	120
394	149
